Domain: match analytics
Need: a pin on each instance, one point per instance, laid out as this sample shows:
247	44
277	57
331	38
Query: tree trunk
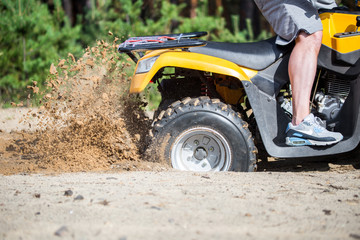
214	6
73	8
193	5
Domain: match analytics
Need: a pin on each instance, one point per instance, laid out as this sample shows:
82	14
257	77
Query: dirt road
181	205
294	199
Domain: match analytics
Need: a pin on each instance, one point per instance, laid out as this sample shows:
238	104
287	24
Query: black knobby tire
164	104
203	134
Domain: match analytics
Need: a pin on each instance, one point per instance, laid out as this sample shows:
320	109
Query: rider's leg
302	70
305	129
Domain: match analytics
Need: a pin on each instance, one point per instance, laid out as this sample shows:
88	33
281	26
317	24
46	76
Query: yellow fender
189	60
338	23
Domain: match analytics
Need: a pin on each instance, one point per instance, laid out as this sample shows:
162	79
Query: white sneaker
311	132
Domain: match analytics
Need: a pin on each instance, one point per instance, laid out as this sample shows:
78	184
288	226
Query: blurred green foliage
32	36
216	26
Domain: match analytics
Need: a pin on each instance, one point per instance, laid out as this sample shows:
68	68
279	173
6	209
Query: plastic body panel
190	60
272	123
273	78
342	63
334	23
340	51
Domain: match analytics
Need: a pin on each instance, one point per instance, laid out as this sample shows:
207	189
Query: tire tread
205	103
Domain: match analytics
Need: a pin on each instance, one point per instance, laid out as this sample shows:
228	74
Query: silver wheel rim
201	149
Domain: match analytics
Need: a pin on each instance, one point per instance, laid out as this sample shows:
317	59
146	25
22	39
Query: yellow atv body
217	96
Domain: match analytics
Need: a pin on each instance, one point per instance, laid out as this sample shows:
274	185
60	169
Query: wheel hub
201	149
200	153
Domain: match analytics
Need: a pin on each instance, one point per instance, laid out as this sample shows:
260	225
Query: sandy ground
181	205
10	120
294	199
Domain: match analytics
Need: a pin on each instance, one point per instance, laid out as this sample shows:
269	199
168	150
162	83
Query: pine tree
31	38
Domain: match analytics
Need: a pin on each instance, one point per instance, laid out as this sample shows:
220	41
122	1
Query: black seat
254	55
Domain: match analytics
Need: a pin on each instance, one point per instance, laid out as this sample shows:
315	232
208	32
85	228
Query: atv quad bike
218	99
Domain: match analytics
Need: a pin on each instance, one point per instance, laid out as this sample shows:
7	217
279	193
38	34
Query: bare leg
302	70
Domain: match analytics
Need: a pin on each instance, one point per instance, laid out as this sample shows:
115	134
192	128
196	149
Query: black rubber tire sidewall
231	130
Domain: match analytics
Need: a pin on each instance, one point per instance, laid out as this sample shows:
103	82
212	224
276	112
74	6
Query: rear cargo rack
168	41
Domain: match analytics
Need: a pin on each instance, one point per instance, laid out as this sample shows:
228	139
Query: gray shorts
289	17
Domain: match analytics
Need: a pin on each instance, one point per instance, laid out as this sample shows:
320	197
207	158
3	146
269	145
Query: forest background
36	33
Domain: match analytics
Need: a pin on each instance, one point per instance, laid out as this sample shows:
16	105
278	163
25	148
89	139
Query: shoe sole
294	141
